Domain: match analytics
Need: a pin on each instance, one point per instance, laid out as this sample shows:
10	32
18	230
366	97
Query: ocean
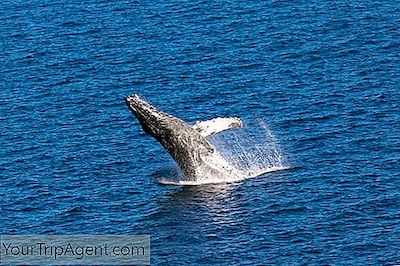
322	76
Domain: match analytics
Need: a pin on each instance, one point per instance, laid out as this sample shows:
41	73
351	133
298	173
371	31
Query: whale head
153	121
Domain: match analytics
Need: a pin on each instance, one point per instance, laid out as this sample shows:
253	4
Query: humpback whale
196	157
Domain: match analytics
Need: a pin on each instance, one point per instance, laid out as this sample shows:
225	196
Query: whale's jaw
185	144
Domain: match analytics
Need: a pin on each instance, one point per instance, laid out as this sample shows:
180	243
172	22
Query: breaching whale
195	155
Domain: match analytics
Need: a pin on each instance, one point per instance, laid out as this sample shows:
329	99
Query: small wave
75	209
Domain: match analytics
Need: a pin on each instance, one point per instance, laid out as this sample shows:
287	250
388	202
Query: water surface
324	76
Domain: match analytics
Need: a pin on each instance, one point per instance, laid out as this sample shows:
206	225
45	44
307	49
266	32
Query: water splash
251	151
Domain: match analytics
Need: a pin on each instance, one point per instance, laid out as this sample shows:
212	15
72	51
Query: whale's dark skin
183	143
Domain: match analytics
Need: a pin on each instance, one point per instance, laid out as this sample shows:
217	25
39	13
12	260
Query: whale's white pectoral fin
216	125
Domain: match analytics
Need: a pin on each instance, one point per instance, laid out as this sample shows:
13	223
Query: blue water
324	75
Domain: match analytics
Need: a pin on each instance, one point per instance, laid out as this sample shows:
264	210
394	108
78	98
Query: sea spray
253	149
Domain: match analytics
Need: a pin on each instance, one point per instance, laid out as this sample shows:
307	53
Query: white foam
218	180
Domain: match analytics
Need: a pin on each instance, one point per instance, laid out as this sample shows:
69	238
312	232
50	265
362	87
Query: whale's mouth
136	105
149	118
